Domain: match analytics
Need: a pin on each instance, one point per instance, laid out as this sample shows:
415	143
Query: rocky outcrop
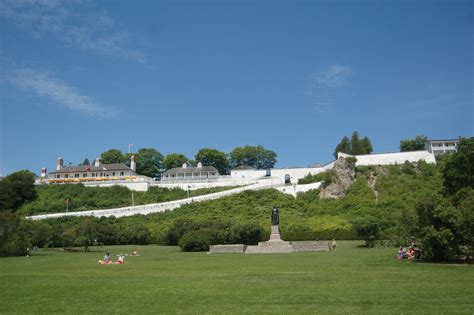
343	175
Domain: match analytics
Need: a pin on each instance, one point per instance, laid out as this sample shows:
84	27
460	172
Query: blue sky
80	77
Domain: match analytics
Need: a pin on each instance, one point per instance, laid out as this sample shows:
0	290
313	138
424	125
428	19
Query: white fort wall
392	158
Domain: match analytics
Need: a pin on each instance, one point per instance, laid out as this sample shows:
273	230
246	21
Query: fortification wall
392	158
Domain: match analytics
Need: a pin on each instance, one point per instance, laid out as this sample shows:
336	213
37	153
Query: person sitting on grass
107	259
401	253
411	253
120	259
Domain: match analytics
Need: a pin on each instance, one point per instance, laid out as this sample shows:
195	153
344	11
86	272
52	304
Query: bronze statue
275	216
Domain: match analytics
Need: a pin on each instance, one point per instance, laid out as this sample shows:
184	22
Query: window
58	176
84	175
121	173
66	175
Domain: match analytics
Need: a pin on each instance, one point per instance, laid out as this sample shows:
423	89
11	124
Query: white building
438	147
186	173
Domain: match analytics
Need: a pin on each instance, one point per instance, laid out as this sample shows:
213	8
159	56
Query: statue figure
275	216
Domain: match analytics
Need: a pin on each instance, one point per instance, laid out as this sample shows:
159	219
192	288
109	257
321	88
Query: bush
196	240
325	177
368	229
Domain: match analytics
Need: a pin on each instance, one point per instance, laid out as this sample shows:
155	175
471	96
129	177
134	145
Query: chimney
97	162
185	165
44	171
199	164
59	164
133	164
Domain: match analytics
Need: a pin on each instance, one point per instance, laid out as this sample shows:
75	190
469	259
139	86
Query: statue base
275	235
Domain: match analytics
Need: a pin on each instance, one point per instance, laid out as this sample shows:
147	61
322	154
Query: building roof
181	170
92	168
443	140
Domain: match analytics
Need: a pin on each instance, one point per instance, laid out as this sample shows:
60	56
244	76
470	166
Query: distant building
186	173
91	173
438	147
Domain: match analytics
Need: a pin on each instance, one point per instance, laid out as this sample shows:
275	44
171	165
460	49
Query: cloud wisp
74	22
59	92
333	77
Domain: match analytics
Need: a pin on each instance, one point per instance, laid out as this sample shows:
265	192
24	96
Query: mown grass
164	280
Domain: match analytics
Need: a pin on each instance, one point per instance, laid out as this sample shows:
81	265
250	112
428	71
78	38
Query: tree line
150	162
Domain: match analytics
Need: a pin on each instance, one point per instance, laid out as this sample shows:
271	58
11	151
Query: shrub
196	240
368	228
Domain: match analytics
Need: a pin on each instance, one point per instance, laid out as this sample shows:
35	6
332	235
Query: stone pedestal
275	235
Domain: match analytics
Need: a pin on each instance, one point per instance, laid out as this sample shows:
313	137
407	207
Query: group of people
120	258
413	252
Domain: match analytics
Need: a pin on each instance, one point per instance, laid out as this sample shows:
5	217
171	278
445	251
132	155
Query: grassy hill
51	197
388	193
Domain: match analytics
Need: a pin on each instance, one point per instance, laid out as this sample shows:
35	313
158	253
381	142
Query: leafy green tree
368	228
16	189
149	162
344	146
87	233
254	156
86	162
416	144
458	170
213	157
354	146
112	156
440	228
12	241
173	160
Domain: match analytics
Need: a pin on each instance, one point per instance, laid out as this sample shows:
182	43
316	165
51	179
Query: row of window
190	175
85	175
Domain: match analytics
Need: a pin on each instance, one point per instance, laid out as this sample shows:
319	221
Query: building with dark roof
186	173
95	172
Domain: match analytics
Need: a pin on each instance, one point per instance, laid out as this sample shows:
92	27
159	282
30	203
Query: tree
254	156
367	145
149	162
368	228
416	144
16	189
440	229
458	170
354	146
173	160
86	162
344	146
212	157
112	156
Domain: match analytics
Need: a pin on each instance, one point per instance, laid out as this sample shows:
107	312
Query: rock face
343	177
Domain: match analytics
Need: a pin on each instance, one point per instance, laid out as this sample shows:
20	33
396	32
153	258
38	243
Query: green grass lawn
165	280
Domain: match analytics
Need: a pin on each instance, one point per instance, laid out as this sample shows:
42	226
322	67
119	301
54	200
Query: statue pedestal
275	235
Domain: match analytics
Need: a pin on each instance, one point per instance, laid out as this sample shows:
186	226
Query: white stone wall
199	185
392	158
251	174
296	189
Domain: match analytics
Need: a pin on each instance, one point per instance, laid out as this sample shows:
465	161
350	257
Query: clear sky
80	77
